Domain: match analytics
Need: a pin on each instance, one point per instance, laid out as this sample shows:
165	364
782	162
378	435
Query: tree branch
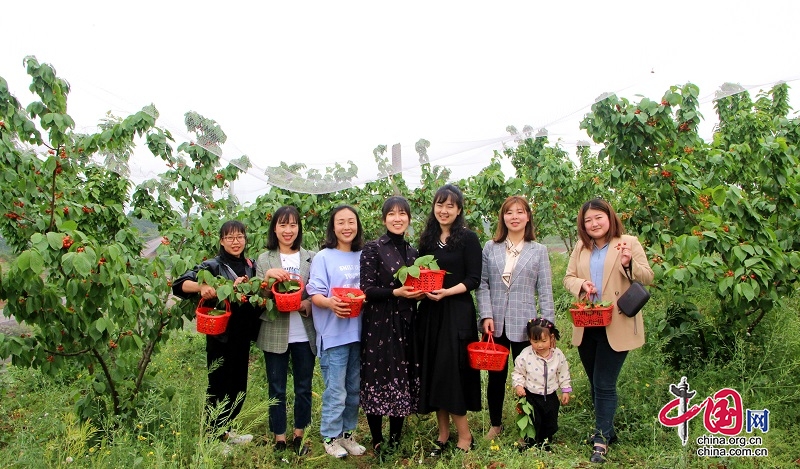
67	354
107	372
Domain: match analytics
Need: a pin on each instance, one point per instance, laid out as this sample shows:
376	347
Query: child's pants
545	415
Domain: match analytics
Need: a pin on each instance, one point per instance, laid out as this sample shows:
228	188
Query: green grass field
38	427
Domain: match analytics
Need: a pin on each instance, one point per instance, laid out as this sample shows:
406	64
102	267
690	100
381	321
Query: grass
38	427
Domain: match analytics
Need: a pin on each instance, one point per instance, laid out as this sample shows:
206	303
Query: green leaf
204	276
114	252
24	260
692	245
69	226
72	288
719	195
747	290
55	240
67	262
36	263
725	284
423	260
83	265
679	274
99	387
738	252
288	286
402	275
751	261
224	291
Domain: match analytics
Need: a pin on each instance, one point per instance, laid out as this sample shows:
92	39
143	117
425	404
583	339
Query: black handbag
634	298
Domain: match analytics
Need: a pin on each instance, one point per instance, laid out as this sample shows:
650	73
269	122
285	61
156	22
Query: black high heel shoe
439	447
471	445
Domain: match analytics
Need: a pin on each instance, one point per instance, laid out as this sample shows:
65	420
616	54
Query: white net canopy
460	159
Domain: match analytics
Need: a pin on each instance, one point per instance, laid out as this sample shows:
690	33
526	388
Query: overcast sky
325	82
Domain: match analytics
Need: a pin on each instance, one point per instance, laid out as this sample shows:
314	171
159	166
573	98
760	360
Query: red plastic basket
355	303
429	280
288	302
210	324
591	317
487	355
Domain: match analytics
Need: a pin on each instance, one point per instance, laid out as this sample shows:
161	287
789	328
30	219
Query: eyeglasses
230	239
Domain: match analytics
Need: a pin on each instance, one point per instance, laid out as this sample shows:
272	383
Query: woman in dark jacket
389	369
227	382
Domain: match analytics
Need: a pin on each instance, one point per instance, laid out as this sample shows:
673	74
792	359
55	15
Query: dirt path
10	326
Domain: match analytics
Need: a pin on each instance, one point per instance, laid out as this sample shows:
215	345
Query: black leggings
496	388
375	427
229	380
545	416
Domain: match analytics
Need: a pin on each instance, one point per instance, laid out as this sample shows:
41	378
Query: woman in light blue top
338	335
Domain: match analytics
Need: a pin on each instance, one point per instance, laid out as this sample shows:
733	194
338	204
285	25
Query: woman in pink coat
597	268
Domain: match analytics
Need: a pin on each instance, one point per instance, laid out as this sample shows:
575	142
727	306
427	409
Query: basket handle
592	298
490	338
227	304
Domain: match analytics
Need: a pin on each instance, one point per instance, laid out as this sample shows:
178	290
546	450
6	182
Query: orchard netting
459	159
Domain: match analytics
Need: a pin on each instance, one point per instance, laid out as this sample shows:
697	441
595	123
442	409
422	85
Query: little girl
538	371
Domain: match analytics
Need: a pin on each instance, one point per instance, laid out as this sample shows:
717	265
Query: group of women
407	351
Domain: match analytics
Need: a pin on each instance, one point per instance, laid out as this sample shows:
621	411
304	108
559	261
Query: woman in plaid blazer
516	270
288	335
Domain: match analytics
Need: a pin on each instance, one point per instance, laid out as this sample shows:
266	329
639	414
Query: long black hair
285	214
429	238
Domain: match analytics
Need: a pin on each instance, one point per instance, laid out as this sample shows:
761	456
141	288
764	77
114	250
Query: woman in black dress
389	372
447	320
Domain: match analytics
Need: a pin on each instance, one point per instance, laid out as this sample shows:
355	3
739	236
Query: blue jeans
341	371
603	365
277	365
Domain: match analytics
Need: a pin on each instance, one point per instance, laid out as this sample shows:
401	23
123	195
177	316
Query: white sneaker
333	448
349	443
236	439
